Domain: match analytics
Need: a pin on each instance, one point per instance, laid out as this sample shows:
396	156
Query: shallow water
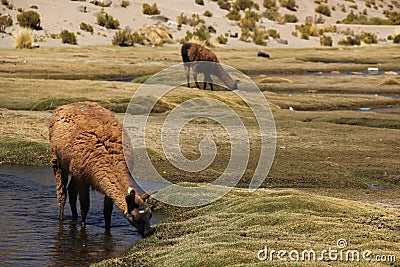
31	234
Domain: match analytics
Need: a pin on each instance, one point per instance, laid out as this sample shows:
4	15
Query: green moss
24	152
368	122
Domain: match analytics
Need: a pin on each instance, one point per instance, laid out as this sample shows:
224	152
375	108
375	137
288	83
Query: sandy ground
59	15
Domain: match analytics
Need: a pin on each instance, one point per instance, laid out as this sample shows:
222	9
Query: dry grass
23	38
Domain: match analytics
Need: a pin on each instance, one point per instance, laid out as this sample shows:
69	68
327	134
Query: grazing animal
193	55
86	143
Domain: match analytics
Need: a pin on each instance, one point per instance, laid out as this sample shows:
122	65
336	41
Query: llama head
138	213
235	85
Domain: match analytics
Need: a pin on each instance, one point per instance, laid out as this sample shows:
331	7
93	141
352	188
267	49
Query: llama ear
130	199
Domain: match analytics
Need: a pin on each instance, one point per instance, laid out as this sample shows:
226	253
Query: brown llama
86	143
193	55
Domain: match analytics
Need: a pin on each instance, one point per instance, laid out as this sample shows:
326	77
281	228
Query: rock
282	41
263	54
234	35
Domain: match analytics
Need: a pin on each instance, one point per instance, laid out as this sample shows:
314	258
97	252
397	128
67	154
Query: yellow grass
23	38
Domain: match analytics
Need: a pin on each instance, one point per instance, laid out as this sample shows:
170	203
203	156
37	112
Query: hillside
267	22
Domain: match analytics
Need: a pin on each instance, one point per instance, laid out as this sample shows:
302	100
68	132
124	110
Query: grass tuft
23	38
24	152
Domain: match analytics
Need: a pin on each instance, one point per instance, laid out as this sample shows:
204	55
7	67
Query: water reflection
31	234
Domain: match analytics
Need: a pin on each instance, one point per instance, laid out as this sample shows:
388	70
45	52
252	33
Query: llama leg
195	79
187	72
108	207
207	79
84	199
61	183
73	195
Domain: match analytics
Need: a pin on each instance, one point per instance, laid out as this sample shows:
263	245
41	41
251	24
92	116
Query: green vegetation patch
369	122
232	231
115	105
24	152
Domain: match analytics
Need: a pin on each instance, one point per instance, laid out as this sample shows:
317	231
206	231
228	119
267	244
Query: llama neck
115	184
225	77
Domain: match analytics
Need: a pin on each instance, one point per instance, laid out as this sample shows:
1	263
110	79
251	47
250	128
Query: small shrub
86	27
245	35
369	38
352	18
271	14
200	34
250	19
106	20
326	41
23	38
396	39
324	10
393	17
150	9
319	19
289	4
306	30
259	36
244	4
234	14
221	39
137	38
314	31
195	20
273	33
5	2
29	19
5	22
330	28
125	3
350	40
224	4
290	18
199	2
182	19
207	13
268	4
68	37
123	38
